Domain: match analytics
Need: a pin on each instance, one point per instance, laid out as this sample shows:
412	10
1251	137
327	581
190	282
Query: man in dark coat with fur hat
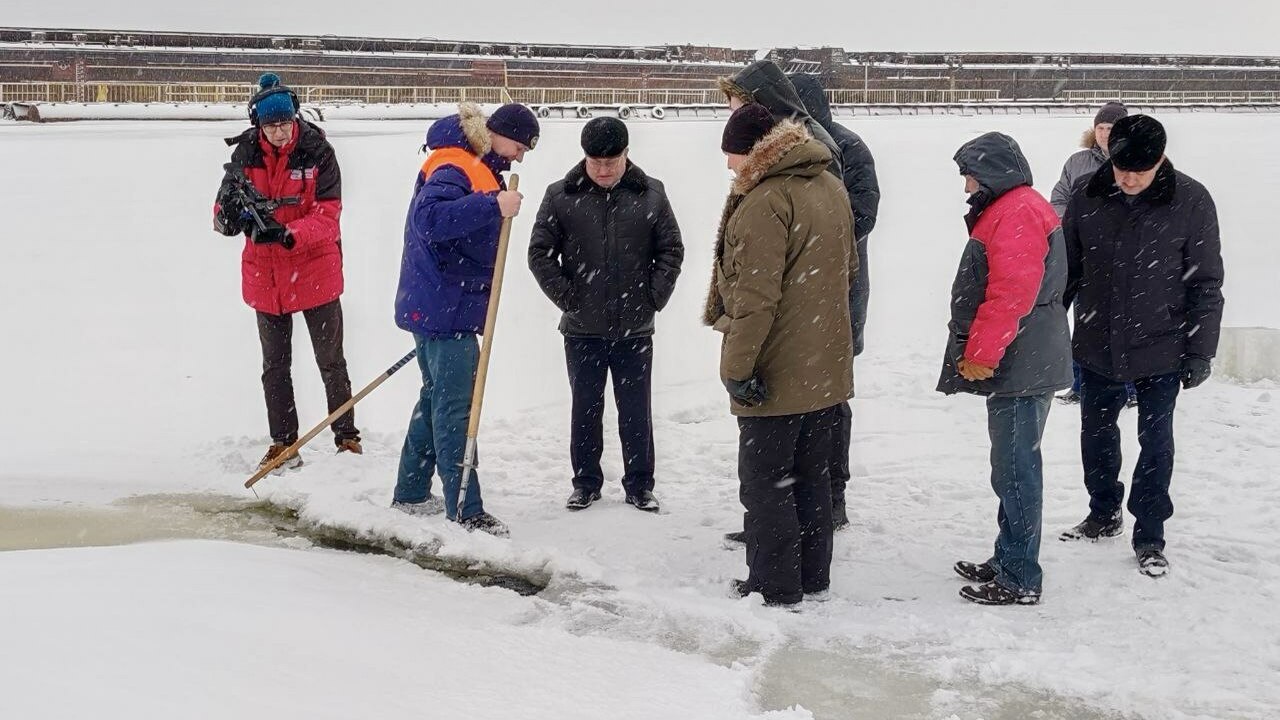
1145	276
606	250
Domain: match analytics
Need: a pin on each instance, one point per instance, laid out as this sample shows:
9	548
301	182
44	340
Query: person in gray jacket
1075	173
1009	341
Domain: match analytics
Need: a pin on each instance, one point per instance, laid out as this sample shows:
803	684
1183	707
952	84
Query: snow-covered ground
132	368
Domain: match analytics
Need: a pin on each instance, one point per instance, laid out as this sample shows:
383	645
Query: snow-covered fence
1172	96
912	96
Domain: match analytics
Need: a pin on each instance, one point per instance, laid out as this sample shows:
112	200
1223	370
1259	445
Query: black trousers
1101	399
784	467
324	323
630	362
841	438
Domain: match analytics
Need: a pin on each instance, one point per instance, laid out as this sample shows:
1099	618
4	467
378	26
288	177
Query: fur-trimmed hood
465	130
1089	141
784	150
787	149
764	82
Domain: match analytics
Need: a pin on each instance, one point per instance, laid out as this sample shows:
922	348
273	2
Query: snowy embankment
138	374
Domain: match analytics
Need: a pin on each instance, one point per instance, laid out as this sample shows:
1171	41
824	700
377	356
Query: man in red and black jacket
292	258
1009	341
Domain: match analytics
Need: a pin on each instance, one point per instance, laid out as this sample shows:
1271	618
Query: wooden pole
333	416
486	348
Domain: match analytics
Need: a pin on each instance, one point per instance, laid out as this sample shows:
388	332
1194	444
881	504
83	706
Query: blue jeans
437	435
1016	425
1100	401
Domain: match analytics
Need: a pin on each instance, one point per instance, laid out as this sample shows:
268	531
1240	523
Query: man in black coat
606	250
858	170
1145	275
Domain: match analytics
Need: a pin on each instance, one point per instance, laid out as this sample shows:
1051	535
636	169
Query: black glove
227	220
1195	370
227	224
274	233
750	392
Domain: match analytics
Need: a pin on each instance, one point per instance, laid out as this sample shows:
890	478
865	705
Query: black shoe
839	516
1131	402
975	572
993	594
643	500
1152	563
581	499
1093	529
740	589
739	537
484	522
1071	397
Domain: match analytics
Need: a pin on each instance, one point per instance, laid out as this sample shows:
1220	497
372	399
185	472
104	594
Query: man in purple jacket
446	272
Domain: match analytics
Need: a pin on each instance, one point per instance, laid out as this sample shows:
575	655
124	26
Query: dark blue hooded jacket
450	241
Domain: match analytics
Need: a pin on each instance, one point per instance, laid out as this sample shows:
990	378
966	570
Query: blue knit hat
517	122
273	102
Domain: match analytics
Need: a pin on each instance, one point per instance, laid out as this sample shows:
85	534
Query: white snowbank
219	630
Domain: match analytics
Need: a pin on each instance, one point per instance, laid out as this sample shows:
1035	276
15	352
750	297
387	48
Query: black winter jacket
608	259
857	164
1145	274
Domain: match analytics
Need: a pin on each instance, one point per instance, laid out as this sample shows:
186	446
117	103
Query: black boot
993	594
1152	563
975	572
644	500
1092	528
484	522
581	499
839	517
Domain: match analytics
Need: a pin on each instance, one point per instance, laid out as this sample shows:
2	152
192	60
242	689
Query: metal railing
240	93
37	92
336	94
910	97
374	95
611	96
1172	96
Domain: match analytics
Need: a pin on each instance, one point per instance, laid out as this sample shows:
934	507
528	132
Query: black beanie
1137	143
604	137
1110	113
746	126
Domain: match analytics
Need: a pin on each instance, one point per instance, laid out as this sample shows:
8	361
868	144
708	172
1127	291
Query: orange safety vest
482	178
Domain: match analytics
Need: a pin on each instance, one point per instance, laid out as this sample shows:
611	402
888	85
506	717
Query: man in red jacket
292	258
1009	341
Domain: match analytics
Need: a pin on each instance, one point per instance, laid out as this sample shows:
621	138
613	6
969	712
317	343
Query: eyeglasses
278	126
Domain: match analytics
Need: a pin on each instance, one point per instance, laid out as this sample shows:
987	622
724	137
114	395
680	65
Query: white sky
1145	26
